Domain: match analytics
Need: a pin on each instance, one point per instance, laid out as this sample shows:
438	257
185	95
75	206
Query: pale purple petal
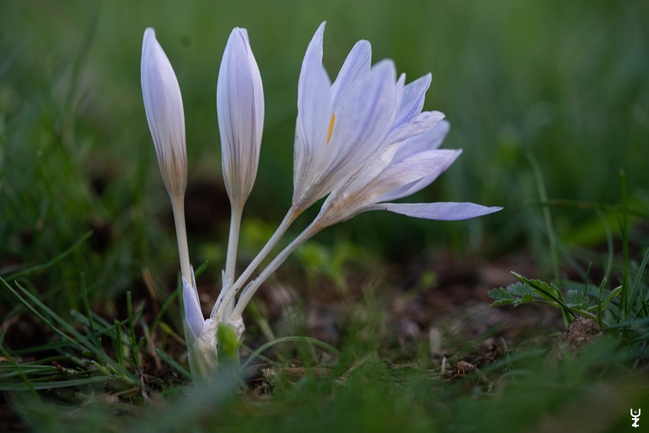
438	211
357	64
428	140
164	112
314	111
362	190
240	108
430	164
420	124
193	314
413	100
364	118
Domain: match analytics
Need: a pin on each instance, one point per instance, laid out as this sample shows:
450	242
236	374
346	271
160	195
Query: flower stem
178	207
231	259
218	312
250	290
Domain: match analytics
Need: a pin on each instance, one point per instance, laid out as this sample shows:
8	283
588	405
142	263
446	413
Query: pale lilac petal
438	211
420	124
428	140
164	112
240	108
357	64
364	118
413	99
363	190
314	112
430	164
314	95
193	314
399	89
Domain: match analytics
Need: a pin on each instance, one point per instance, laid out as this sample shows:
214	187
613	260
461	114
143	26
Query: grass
88	296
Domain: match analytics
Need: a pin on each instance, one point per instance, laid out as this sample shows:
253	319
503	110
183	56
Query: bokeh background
563	83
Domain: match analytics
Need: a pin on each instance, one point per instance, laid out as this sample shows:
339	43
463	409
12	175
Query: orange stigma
331	127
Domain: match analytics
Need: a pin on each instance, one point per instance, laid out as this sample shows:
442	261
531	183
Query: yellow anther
331	127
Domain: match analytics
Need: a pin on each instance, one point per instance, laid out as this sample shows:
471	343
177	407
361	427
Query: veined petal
355	132
314	114
362	191
363	120
418	125
428	140
357	64
194	320
240	109
164	112
403	178
438	211
413	99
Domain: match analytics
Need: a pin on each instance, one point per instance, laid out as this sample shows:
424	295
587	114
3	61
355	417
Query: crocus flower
164	112
396	171
240	109
339	126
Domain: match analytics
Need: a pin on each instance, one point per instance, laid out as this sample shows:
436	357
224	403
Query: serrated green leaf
514	294
576	299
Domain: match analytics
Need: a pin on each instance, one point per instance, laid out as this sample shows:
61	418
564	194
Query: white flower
240	109
339	126
396	171
200	336
164	112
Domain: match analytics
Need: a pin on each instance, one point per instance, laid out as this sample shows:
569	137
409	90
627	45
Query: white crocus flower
164	112
240	109
396	170
340	125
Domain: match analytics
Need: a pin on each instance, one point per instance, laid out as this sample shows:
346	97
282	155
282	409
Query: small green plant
623	309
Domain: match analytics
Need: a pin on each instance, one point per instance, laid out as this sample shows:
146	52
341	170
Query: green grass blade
638	277
52	262
169	360
286	340
14	386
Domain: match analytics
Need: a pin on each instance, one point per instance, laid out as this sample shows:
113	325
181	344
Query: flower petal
193	314
364	189
164	112
428	140
240	108
413	99
414	173
357	64
438	211
418	125
314	112
363	119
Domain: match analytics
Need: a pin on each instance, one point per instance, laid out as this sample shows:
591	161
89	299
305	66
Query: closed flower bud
240	109
164	112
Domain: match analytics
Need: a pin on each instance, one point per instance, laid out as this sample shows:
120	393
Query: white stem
178	207
251	288
233	246
218	312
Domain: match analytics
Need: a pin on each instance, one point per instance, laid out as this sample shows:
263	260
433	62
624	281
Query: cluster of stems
360	141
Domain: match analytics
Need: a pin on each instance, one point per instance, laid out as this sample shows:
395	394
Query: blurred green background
566	81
